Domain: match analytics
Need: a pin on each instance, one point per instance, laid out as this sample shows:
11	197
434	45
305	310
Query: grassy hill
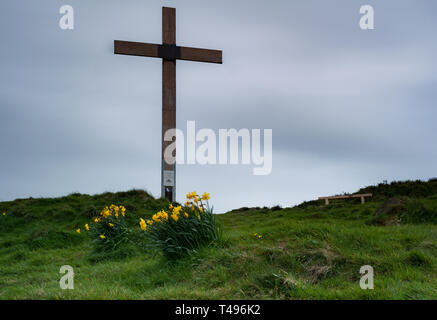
310	251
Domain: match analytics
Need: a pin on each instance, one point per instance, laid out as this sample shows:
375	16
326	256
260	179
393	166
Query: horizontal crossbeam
136	49
167	52
201	55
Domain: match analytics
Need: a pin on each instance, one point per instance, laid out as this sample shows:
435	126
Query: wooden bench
362	196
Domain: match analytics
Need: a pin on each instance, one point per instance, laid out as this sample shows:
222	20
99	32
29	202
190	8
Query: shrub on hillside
388	213
416	212
402	211
408	188
182	229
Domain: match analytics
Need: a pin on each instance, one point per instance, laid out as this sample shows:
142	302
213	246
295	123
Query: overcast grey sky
348	107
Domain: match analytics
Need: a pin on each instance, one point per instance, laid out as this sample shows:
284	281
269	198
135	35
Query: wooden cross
169	52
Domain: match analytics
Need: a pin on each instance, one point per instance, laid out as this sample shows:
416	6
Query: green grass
312	252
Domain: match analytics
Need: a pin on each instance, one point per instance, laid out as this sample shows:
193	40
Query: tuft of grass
51	239
417	258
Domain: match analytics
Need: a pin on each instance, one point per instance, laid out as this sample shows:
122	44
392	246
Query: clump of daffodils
194	206
178	229
113	210
257	236
108	230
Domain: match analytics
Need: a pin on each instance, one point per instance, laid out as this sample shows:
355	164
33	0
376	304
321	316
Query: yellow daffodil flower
143	224
191	195
164	215
87	227
206	196
177	210
78	230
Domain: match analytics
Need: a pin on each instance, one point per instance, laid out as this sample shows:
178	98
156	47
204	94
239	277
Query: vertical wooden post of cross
169	52
168	171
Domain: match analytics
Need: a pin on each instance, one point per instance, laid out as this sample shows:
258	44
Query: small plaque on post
169	178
